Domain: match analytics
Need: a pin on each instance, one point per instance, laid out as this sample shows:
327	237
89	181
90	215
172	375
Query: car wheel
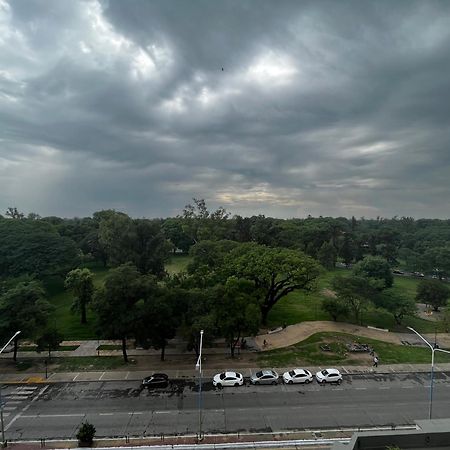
219	385
236	384
290	382
322	382
256	382
339	381
308	381
274	382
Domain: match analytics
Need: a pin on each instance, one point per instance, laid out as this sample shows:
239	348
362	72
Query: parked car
264	377
329	376
157	380
398	272
297	376
228	379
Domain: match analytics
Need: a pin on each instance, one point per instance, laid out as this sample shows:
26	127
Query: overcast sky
282	108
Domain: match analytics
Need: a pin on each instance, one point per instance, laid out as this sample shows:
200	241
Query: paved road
118	408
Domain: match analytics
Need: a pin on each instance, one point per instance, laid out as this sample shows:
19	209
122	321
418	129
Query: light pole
433	349
1	398
198	367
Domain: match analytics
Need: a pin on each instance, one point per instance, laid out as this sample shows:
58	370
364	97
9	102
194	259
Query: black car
157	380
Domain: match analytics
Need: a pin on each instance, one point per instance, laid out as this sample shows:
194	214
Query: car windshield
259	374
324	372
291	373
222	376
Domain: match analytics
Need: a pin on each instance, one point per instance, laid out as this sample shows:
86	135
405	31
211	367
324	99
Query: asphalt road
123	408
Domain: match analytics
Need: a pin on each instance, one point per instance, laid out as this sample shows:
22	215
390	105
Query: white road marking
127	375
9	408
76	376
106	414
49	416
101	376
17	397
163	412
361	389
26	407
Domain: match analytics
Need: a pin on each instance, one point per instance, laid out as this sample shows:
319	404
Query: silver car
264	377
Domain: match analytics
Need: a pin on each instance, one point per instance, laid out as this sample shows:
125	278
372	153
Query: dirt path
301	331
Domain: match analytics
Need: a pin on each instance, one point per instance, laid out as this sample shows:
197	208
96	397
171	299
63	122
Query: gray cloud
331	108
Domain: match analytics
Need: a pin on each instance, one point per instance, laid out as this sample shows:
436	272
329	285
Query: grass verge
85	363
309	352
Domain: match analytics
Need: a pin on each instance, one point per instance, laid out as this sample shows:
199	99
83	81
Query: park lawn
309	352
178	263
81	363
66	322
61	348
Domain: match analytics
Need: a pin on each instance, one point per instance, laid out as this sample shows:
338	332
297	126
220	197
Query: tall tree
236	311
355	292
274	272
80	281
116	304
327	256
49	340
398	304
432	292
23	308
376	269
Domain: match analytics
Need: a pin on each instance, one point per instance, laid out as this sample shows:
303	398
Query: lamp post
1	398
433	349
198	367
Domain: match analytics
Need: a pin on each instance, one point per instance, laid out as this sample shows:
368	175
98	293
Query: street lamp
1	399
433	349
198	367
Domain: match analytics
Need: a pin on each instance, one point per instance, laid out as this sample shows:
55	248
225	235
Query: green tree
158	320
49	340
377	270
236	311
432	292
34	247
116	304
274	272
398	304
23	308
327	256
335	308
80	281
354	292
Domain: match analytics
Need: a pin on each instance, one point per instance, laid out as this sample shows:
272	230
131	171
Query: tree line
240	268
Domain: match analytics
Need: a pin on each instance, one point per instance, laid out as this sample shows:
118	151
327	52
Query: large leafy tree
34	247
432	292
236	311
274	272
398	304
355	292
139	241
376	270
80	281
116	304
158	320
23	308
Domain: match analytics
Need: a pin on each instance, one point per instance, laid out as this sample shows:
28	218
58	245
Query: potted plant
86	434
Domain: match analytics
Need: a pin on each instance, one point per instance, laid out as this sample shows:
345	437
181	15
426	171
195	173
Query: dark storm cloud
332	108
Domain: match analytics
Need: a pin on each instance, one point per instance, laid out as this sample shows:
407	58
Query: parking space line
101	376
76	376
361	389
127	375
106	414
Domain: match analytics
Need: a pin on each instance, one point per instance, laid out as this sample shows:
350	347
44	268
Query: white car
329	376
228	379
297	376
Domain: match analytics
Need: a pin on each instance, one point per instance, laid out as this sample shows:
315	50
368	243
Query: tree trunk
124	349
232	350
163	352
264	313
83	314
16	347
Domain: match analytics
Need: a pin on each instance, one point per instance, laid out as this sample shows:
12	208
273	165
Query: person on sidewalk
375	361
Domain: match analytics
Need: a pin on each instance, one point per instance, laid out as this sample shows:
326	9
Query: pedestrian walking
265	343
375	361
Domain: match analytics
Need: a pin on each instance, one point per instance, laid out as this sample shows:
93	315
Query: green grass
299	307
309	352
61	348
66	322
81	363
109	347
177	263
